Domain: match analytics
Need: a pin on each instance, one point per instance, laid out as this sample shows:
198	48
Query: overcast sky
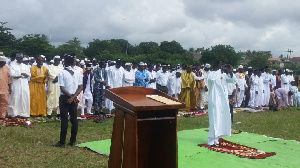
270	25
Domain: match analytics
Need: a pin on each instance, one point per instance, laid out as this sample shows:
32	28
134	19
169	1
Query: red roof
295	59
274	59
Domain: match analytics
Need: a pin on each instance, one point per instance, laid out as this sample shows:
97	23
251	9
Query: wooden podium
144	131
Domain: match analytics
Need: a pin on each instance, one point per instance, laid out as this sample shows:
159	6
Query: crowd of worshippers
31	87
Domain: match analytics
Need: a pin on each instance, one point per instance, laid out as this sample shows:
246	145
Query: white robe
53	89
259	95
266	84
19	99
241	85
175	86
273	81
114	80
285	81
218	107
128	78
87	95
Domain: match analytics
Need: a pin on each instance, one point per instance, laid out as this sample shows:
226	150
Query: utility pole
289	51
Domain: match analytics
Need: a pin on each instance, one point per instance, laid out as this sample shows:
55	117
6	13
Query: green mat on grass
192	156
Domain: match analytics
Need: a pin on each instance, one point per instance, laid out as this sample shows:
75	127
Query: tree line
169	52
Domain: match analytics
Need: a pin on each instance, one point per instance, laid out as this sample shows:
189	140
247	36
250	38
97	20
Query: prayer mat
238	150
16	122
192	156
250	110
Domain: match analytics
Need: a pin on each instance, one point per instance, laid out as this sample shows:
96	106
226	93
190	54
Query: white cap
249	67
141	63
240	66
274	70
3	58
52	61
128	64
207	65
234	70
43	56
25	59
56	57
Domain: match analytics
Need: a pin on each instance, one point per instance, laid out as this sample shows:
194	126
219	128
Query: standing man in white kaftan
19	99
128	76
218	106
115	79
285	80
266	84
241	81
176	85
152	75
53	88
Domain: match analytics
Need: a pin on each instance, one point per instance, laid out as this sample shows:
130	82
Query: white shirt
162	78
68	81
152	75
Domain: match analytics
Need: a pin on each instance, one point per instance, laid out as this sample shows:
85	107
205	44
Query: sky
264	25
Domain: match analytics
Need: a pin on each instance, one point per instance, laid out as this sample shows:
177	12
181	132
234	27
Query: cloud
244	24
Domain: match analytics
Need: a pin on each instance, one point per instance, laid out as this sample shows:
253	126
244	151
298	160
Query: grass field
31	147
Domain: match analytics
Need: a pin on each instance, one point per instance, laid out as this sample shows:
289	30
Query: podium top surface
134	98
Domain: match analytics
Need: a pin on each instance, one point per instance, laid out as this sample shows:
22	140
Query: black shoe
71	144
49	116
213	146
58	144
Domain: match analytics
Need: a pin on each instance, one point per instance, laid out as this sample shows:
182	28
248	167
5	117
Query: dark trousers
66	108
162	88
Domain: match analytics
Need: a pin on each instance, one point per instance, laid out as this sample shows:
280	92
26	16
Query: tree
34	45
148	47
70	46
172	47
259	62
217	53
7	40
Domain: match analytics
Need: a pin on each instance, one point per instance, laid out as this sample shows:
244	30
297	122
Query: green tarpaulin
192	156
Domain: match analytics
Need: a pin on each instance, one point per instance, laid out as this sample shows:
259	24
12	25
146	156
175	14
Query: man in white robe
266	85
88	81
115	79
285	80
128	76
241	82
218	105
19	99
176	85
53	88
273	79
259	86
205	90
152	75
